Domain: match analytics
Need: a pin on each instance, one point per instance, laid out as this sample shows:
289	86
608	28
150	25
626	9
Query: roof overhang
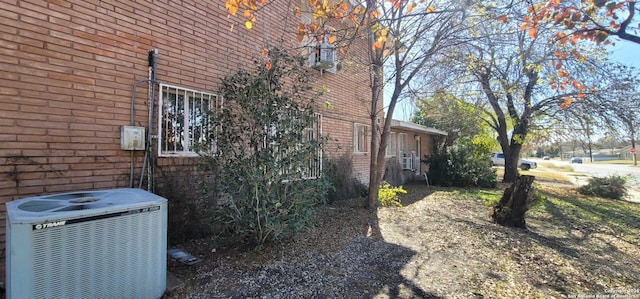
416	128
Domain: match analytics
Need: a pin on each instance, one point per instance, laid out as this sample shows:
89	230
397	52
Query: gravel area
441	244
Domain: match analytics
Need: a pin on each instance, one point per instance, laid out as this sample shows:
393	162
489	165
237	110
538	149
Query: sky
627	53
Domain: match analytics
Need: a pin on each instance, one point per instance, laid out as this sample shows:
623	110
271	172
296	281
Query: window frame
402	143
356	138
390	151
315	49
215	102
405	158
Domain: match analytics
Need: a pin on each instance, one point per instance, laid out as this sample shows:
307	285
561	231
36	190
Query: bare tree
522	77
405	40
618	107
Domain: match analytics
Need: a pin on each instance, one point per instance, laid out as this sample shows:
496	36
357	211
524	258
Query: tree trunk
375	168
633	155
514	203
510	167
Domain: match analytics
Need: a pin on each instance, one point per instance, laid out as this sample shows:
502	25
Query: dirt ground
441	244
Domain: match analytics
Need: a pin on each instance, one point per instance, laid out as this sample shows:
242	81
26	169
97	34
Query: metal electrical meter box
132	138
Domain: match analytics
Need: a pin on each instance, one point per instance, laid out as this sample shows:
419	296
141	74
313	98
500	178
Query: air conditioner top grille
78	203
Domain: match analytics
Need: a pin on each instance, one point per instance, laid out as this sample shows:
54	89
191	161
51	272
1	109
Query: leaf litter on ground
440	244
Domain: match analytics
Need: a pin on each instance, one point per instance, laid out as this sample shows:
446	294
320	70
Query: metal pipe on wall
152	59
148	156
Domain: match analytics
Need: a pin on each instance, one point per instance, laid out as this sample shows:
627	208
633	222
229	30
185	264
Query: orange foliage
566	103
578	18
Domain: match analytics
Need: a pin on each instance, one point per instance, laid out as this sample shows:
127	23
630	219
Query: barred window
184	122
313	165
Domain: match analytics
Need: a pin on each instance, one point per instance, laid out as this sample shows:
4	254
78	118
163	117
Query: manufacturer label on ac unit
52	224
49	224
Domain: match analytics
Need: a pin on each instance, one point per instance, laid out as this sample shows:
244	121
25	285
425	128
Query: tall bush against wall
344	186
267	150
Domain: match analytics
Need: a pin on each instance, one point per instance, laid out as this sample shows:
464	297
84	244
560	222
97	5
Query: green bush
388	196
461	166
267	147
613	187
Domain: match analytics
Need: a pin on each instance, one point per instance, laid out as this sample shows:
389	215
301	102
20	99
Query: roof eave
416	128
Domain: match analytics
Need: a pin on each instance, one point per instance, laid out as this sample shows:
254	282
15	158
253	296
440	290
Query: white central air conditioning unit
91	244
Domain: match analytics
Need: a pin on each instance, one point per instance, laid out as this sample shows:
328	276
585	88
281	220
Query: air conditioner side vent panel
114	252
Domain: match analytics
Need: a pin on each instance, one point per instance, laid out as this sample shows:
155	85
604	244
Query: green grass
550	176
541	175
617	216
584	244
565	168
488	197
564	205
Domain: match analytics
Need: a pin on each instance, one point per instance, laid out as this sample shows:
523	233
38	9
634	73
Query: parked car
497	159
576	160
546	158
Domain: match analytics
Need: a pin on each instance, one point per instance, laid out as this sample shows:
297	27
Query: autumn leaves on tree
591	20
525	59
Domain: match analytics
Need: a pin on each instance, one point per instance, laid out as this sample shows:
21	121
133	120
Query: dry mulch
441	244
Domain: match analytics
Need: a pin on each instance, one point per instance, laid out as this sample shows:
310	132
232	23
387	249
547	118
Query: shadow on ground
441	244
345	256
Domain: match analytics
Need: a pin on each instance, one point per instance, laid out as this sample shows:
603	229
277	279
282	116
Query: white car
497	159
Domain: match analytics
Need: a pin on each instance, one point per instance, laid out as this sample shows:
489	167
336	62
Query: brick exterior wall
68	68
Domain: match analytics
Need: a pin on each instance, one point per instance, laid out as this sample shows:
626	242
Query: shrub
189	205
608	187
340	175
267	147
461	166
388	196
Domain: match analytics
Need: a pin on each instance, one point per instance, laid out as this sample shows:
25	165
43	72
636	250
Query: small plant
613	187
388	196
489	201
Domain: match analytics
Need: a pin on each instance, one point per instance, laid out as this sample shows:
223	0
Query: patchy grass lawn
441	244
542	175
551	165
629	162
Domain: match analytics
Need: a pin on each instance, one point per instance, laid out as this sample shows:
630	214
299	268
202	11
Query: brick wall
69	68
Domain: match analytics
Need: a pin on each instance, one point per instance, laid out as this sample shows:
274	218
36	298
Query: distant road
603	170
609	169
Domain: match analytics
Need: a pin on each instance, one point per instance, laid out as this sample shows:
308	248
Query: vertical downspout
153	64
133	113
